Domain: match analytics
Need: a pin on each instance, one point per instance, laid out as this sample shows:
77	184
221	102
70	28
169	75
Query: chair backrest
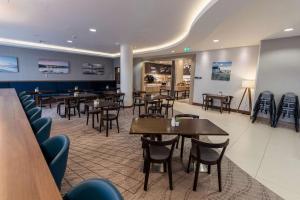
146	143
113	108
29	105
94	189
56	150
189	116
170	101
42	128
34	114
200	144
21	94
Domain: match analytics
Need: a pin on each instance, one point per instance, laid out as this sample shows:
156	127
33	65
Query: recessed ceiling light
173	51
117	44
69	41
288	29
92	29
216	41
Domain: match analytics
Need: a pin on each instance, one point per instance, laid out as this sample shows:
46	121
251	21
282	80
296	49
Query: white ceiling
147	23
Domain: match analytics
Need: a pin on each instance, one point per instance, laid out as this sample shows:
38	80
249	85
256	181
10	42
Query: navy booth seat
42	128
29	105
21	94
94	189
34	114
59	86
56	150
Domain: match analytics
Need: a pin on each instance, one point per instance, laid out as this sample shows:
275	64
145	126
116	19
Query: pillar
126	73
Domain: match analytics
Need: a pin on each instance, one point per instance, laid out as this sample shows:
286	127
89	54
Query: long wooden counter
24	173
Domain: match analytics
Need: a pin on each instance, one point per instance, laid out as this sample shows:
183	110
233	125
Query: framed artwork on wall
53	66
92	69
9	64
221	71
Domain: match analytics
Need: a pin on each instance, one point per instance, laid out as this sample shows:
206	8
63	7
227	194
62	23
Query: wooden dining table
215	96
149	98
24	173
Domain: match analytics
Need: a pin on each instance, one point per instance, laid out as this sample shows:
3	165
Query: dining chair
94	189
29	105
109	114
169	104
227	103
71	103
204	153
56	150
138	101
155	106
206	101
34	114
21	94
93	111
184	116
41	128
120	99
158	152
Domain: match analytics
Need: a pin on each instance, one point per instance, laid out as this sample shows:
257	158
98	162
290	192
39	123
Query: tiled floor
119	159
270	155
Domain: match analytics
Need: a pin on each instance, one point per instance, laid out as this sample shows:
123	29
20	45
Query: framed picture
92	69
53	66
221	71
9	64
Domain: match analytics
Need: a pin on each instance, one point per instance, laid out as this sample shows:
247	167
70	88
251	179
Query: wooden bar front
24	173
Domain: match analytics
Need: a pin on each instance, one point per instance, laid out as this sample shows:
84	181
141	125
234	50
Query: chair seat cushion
159	152
206	154
153	108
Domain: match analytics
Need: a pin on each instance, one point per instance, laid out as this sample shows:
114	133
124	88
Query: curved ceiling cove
51	25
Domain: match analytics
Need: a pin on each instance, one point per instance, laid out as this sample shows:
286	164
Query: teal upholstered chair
94	189
34	114
56	150
25	98
42	128
29	105
21	94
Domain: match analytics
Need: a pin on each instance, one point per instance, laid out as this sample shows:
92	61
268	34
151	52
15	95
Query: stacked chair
265	104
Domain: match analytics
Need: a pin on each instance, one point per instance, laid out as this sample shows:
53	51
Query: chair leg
97	118
69	113
107	128
177	143
196	176
170	174
93	120
165	167
189	164
139	110
219	177
182	147
172	111
117	120
87	118
208	169
147	170
78	109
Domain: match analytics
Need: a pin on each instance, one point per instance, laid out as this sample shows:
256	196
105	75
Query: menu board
155	68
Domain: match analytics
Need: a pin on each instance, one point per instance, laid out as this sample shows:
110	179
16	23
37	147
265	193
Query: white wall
279	67
244	64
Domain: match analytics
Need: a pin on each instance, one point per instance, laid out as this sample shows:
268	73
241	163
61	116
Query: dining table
150	98
194	128
219	97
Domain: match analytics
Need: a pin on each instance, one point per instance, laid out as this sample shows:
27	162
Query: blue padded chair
29	105
34	114
25	98
94	189
42	128
21	94
56	150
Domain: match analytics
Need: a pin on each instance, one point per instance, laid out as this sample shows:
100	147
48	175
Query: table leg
221	107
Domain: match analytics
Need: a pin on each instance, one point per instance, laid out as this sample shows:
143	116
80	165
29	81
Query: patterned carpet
119	159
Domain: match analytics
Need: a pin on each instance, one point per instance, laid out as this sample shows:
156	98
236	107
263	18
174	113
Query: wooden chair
206	101
110	114
227	103
137	101
71	103
155	106
202	152
158	152
93	111
169	104
184	116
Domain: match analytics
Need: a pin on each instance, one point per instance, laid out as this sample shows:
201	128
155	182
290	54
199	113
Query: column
126	73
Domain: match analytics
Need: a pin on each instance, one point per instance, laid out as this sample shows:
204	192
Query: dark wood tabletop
24	171
71	96
151	98
186	127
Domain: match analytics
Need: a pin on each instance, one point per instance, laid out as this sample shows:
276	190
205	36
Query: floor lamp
248	85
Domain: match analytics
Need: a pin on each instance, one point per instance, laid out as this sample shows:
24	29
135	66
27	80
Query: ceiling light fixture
69	41
216	41
288	29
173	51
93	30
